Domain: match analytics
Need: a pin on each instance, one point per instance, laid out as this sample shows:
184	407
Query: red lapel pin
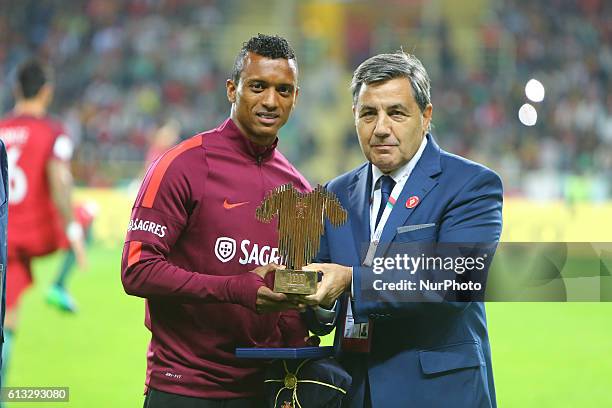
412	202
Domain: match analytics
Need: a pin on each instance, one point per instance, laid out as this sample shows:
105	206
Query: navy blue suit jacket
3	243
423	355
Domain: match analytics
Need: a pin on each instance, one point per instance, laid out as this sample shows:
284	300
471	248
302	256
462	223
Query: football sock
66	268
6	352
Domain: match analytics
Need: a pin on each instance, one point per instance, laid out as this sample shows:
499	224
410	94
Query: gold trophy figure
300	226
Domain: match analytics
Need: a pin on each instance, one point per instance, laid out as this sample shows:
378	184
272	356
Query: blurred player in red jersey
164	138
40	183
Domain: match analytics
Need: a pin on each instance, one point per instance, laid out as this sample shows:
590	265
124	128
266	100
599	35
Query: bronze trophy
300	226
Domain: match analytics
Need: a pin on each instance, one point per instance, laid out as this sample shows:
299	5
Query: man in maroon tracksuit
193	239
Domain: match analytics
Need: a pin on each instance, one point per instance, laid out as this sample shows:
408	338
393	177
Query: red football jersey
34	223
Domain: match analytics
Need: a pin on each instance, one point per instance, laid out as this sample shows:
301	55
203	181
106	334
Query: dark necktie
386	186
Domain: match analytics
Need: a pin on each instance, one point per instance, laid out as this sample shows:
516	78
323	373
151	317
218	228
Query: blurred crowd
567	46
124	69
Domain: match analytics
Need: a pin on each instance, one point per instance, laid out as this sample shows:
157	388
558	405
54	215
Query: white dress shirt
399	175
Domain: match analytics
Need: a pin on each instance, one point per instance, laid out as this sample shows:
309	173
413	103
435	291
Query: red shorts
37	240
18	278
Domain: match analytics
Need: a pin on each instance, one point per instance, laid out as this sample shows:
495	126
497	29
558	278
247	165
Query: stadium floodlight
527	115
534	90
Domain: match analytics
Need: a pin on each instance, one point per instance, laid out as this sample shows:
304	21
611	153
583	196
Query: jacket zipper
262	184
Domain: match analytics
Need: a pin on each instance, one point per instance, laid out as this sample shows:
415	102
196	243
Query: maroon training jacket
191	241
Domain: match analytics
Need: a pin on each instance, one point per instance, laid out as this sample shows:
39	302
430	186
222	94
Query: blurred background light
534	90
528	115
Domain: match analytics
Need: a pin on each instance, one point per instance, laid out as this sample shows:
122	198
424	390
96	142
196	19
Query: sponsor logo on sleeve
138	224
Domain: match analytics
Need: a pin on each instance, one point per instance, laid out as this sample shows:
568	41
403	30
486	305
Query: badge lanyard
357	337
375	238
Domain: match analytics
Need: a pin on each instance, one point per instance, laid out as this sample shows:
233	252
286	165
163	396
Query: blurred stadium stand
123	68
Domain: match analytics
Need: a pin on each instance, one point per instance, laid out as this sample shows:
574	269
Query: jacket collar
240	141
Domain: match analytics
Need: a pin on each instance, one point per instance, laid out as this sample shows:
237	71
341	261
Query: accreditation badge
356	337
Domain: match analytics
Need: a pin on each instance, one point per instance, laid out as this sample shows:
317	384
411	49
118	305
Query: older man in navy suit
405	354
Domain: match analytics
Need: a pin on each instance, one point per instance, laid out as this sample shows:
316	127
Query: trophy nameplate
298	282
300	226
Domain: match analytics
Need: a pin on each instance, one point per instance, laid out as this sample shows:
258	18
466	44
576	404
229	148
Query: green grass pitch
544	354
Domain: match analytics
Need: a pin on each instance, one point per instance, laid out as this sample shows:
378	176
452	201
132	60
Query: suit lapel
422	180
359	203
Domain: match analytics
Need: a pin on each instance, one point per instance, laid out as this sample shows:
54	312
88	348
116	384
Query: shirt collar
404	171
254	150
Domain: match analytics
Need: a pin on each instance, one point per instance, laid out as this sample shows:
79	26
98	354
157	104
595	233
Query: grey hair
383	67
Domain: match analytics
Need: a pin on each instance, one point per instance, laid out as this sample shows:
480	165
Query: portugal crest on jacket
225	249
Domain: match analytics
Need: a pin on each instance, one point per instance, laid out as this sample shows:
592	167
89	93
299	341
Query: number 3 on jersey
18	183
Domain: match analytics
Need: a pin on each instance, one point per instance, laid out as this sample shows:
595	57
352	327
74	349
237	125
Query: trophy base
297	282
286	353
